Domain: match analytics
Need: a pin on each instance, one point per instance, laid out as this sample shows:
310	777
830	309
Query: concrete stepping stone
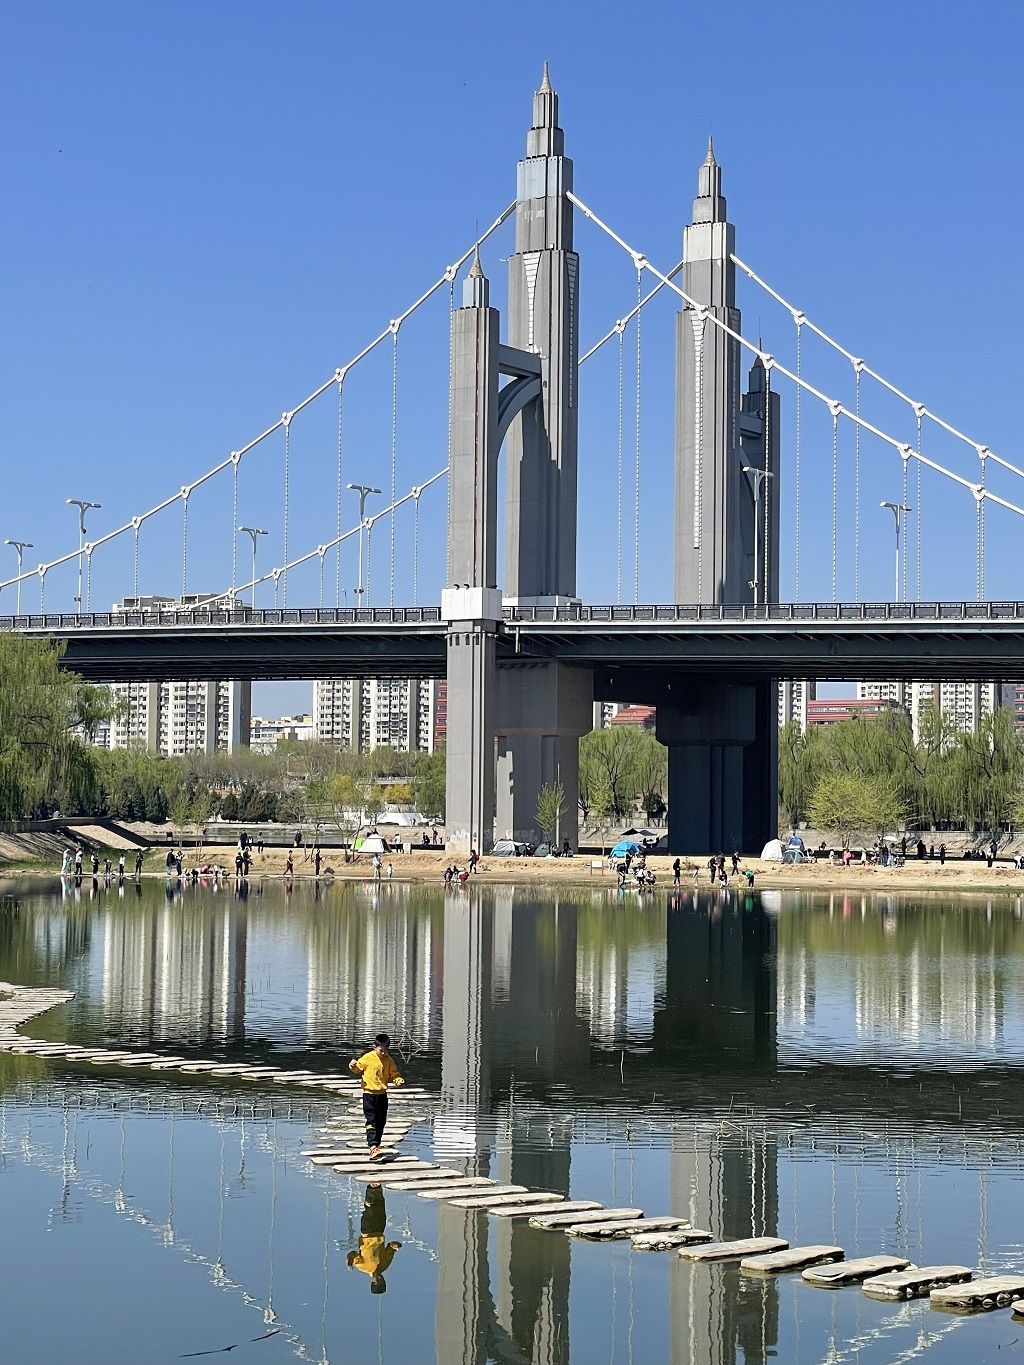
668	1241
493	1202
293	1077
619	1228
1018	1308
339	1159
320	1081
594	1213
732	1251
417	1179
915	1284
795	1258
48	1049
853	1272
231	1069
169	1064
459	1188
534	1209
374	1169
979	1296
194	1068
111	1057
142	1059
389	1175
260	1073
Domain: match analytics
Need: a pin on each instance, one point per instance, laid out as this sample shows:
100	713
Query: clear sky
207	208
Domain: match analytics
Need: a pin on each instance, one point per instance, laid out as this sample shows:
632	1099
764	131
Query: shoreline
427	869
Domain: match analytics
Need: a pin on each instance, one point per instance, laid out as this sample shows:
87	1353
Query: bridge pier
722	756
543	710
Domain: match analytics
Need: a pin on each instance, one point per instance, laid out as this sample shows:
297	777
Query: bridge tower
544	708
721	734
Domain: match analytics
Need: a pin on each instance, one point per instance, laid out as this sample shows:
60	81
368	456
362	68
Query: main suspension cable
618	470
394	454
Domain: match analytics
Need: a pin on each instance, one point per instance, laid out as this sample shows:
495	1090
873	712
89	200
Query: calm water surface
828	1068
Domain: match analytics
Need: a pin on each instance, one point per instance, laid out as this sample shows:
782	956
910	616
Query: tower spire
475	287
545	138
709	205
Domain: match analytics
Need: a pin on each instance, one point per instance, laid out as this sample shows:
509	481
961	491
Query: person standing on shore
677	869
376	1070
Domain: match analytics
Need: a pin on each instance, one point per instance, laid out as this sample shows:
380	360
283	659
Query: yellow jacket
377	1073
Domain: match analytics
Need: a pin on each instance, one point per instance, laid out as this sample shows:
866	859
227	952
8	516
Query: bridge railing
770	611
67	622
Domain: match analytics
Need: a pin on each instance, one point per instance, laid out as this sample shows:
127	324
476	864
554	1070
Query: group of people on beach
72	865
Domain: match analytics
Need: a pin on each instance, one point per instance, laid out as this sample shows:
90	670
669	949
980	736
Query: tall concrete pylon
543	709
471	603
721	734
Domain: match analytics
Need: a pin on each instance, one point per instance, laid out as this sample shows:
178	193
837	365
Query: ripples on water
832	1068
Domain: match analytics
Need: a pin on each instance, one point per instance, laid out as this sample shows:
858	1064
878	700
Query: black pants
375	1112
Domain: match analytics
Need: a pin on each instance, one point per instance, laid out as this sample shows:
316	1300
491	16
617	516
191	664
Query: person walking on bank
677	869
376	1070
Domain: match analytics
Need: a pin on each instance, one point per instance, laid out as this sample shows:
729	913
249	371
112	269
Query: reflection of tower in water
509	995
720	1014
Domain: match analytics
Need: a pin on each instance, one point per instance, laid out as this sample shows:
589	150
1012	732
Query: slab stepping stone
169	1064
110	1057
980	1296
292	1077
915	1284
374	1169
141	1059
493	1202
458	1188
417	1178
48	1049
619	1228
732	1251
666	1241
390	1175
564	1218
796	1258
340	1159
1018	1308
193	1068
230	1069
853	1272
261	1073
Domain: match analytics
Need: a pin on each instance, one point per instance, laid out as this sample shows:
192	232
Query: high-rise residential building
407	714
1012	695
266	735
794	694
177	717
965	702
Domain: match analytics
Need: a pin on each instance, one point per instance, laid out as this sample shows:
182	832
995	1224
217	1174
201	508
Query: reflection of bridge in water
587	1018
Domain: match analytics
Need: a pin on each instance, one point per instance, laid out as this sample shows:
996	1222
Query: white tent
373	843
772	851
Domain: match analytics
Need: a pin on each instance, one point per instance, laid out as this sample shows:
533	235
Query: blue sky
207	208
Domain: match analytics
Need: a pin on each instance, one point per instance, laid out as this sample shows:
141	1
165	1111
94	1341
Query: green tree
852	805
429	785
43	708
550	805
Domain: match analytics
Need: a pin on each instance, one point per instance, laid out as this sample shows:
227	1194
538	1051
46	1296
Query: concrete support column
543	710
469	753
722	741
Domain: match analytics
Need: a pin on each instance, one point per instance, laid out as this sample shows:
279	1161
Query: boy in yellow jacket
377	1071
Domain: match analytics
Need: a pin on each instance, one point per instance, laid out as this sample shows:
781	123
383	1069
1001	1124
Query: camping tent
791	854
625	846
772	851
372	843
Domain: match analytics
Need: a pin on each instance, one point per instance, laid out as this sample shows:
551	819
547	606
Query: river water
830	1068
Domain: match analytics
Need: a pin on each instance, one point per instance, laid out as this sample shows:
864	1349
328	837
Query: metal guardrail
225	616
579	614
771	611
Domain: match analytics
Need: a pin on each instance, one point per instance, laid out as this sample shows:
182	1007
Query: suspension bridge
524	656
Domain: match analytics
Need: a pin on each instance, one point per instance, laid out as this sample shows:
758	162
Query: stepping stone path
795	1258
853	1272
732	1251
980	1296
915	1284
950	1287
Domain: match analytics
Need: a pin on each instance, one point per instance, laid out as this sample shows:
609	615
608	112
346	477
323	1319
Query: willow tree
44	714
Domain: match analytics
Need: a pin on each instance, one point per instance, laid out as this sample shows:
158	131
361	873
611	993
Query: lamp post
364	490
759	476
254	532
83	506
20	547
899	511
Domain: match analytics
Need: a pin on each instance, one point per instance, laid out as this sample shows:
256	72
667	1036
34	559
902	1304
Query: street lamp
253	532
83	506
759	476
364	490
899	511
20	546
